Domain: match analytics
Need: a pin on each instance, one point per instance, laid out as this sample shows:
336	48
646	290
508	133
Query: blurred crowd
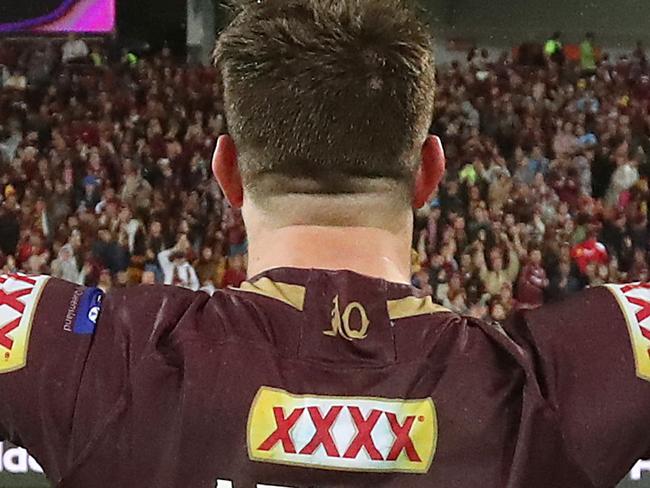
547	186
105	176
105	169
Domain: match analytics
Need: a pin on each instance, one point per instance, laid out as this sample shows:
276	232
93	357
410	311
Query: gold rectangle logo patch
634	300
342	433
19	295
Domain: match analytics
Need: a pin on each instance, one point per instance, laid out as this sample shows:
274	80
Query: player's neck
369	251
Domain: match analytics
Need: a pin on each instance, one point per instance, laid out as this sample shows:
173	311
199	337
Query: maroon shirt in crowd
320	379
531	284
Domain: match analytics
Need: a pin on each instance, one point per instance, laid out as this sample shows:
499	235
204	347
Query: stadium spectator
624	177
590	252
497	274
9	230
176	268
235	275
32	246
74	50
639	268
112	253
16	81
563	283
532	281
210	269
588	55
553	48
148	278
97	57
65	265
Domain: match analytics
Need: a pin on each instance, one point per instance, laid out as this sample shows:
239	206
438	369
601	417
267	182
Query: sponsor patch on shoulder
90	307
634	300
19	297
342	433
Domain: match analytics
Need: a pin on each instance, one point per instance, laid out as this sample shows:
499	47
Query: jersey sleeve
66	355
592	354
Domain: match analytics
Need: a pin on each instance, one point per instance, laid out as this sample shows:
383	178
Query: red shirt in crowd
589	251
233	277
27	250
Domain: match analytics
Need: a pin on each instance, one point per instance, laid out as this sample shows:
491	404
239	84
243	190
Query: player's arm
42	353
66	356
592	357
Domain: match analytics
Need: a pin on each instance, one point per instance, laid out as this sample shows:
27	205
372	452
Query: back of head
327	97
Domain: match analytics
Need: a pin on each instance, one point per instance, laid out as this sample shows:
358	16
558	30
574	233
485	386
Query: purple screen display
52	16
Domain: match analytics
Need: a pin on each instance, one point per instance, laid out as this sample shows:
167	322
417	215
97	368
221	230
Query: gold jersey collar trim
413	307
294	296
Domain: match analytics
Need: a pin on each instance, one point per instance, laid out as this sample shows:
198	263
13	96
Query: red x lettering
11	299
403	441
644	313
17	277
642	286
645	332
323	435
6	341
363	440
283	432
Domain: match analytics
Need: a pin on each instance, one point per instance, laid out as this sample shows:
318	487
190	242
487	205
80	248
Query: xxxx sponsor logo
634	300
342	433
19	296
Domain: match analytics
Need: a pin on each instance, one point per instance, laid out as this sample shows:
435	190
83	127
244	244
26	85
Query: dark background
618	22
495	22
157	21
14	10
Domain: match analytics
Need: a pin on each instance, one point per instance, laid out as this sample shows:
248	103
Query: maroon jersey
321	379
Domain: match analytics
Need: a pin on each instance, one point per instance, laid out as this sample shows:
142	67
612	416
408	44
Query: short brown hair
322	95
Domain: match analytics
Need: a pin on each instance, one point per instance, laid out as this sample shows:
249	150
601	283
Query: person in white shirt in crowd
176	268
624	177
74	49
16	81
127	223
65	266
9	146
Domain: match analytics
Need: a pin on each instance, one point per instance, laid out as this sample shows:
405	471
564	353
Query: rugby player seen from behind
325	368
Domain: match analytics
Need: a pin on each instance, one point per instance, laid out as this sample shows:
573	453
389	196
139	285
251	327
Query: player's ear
432	169
226	171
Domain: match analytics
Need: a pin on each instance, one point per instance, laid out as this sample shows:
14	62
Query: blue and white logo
90	308
93	315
